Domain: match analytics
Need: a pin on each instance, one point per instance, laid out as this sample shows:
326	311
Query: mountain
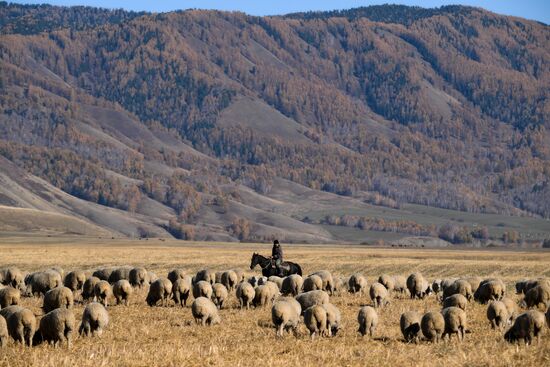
315	127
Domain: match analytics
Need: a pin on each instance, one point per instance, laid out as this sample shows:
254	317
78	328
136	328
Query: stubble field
139	335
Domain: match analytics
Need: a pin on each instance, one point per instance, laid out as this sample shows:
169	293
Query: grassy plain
143	336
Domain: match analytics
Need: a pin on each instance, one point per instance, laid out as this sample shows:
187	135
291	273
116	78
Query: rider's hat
276	242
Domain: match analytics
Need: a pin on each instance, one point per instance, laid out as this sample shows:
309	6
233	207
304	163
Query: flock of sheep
293	299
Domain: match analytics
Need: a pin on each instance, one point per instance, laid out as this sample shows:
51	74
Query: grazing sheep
103	273
229	279
240	275
59	270
538	296
245	294
9	296
334	318
312	283
497	280
416	284
6	312
292	284
525	285
218	276
22	326
138	277
122	290
120	273
459	286
312	298
160	290
151	277
368	320
274	288
14	277
205	275
57	326
205	311
410	326
219	294
491	290
387	281
528	325
88	289
433	326
277	280
103	292
456	300
4	332
263	295
285	315
94	319
262	280
447	282
60	297
436	286
511	307
357	283
75	280
379	295
474	283
176	274
400	284
181	289
202	289
455	322
339	284
328	281
42	282
315	319
497	314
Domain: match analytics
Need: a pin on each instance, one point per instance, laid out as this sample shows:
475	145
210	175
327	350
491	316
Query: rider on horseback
277	256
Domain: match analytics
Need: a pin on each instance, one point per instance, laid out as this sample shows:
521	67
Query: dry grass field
139	335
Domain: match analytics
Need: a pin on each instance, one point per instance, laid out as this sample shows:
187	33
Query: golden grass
143	336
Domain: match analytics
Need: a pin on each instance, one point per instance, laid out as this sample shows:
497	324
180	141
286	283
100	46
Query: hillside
311	127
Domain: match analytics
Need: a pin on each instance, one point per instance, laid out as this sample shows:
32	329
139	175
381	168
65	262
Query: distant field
144	336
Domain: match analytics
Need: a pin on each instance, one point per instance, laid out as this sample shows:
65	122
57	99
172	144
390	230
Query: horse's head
254	261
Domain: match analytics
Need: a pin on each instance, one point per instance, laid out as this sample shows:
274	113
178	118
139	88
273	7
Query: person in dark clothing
277	256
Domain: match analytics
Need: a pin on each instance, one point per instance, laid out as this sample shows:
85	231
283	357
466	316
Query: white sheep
286	315
22	326
9	296
334	318
312	298
3	332
312	283
527	326
103	292
160	290
410	326
60	297
433	326
456	300
57	326
219	294
379	295
202	289
357	283
181	290
122	290
455	322
205	311
368	320
245	294
497	314
95	319
292	285
315	319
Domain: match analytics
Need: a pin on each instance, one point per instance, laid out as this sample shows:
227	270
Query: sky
530	9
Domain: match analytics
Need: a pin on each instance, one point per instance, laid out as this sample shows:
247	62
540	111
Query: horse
268	270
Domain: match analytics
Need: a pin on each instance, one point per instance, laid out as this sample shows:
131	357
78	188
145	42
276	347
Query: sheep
387	281
315	319
416	284
42	282
240	275
176	274
205	312
357	283
312	283
400	284
6	312
103	292
459	286
433	326
160	290
511	307
474	283
379	295
277	280
22	326
328	281
491	290
103	273
75	280
205	275
253	281
525	285
9	296
3	332
526	326
497	280
548	317
334	318
263	295
202	289
181	289
410	326
60	297
119	274
245	294
151	277
497	314
95	319
14	277
455	322
262	280
59	270
456	300
218	277
219	294
229	279
292	284
274	288
88	289
537	296
138	277
122	290
368	320
447	282
57	326
436	286
285	315
339	284
311	298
